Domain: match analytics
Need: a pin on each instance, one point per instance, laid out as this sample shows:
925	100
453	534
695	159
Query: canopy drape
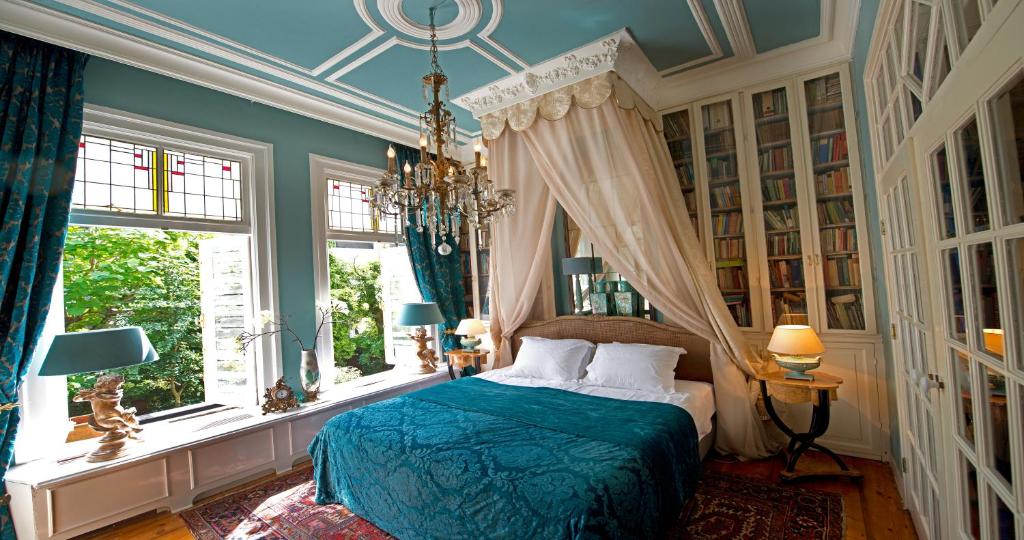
610	169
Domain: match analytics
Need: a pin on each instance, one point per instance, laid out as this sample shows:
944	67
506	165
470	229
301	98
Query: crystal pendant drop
444	249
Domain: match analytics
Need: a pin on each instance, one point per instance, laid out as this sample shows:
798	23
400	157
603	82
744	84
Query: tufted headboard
695	365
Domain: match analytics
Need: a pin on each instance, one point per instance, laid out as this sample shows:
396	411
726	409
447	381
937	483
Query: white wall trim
734	18
706	30
375	32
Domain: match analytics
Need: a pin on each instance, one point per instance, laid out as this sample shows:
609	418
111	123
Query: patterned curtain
439	277
41	122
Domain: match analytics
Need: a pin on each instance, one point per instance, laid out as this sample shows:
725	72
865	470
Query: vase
309	374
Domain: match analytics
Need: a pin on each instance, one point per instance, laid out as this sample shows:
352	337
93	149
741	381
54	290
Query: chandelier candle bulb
476	154
391	159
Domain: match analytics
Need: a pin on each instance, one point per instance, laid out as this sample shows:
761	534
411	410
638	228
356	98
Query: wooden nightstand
459	358
819	393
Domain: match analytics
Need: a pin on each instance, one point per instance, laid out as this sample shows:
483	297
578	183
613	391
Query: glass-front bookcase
679	137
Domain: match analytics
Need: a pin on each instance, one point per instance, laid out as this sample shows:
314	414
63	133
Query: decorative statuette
279	398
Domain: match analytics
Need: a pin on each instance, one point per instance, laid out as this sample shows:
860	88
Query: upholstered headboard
695	365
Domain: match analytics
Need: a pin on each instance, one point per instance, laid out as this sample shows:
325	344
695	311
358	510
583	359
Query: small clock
279	398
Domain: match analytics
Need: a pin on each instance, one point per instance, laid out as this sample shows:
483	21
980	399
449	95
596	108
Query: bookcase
771	180
475	251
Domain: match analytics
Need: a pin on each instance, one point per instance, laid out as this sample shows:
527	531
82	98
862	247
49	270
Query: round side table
460	358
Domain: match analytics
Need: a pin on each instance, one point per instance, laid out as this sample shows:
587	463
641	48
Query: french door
917	374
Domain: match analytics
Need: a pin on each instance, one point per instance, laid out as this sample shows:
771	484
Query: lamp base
797	366
108	417
798	376
425	355
469	343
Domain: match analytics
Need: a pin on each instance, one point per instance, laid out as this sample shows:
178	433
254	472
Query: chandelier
439	192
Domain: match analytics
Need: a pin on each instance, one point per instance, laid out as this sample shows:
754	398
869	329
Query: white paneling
79	503
223	459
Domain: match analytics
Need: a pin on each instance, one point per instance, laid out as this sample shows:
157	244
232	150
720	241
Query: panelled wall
772	182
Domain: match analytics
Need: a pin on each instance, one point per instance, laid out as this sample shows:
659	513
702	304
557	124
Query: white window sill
164	437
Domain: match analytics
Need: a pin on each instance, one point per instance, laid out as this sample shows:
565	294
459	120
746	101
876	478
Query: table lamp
578	266
470	328
421	314
796	348
100	350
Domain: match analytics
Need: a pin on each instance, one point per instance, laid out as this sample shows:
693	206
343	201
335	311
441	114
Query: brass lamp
100	350
421	314
797	349
470	328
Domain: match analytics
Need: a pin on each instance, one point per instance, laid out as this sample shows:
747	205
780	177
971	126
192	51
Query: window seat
181	459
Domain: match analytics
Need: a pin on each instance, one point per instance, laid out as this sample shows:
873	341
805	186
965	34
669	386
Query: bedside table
819	392
459	358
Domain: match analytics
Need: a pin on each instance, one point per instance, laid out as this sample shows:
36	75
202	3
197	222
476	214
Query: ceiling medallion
470	13
440	191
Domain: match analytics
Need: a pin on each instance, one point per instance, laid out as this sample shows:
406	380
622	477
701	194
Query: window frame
44	411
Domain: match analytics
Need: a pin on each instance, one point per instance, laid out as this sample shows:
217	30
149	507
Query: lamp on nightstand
421	315
101	350
471	328
796	348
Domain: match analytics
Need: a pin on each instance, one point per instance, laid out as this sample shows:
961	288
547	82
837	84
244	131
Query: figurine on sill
108	416
421	314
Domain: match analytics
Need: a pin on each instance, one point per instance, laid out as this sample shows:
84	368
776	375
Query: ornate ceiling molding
470	13
618	52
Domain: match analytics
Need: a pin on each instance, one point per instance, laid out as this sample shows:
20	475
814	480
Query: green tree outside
358	332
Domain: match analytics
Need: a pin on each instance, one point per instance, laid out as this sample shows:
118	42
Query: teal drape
439	277
40	124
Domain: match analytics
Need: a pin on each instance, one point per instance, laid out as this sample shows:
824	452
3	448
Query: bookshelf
835	209
475	251
780	206
725	205
679	138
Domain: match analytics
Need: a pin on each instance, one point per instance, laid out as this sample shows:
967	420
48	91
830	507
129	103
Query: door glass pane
680	146
972	175
971	521
1014	262
987	298
915	105
957	324
726	209
1008	127
920	18
834	195
940	170
942	63
781	214
969	17
1003	517
962	371
998	423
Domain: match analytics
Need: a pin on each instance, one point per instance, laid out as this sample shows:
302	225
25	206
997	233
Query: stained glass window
203	187
115	175
348	209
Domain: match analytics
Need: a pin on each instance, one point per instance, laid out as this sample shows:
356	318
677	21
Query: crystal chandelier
439	192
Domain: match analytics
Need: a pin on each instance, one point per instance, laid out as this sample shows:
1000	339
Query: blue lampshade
98	350
420	314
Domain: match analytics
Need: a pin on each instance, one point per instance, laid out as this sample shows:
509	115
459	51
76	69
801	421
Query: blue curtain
439	277
41	121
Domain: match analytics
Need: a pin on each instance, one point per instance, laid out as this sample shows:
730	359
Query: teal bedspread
477	459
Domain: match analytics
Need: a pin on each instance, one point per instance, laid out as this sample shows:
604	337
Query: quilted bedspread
478	459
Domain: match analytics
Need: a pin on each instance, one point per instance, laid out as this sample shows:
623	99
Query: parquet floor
873	506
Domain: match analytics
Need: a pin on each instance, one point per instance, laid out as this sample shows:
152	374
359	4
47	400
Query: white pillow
552	359
634	365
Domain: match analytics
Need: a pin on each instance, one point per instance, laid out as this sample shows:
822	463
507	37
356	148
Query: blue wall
862	41
294	137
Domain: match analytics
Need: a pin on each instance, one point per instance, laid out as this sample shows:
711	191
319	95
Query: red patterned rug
725	507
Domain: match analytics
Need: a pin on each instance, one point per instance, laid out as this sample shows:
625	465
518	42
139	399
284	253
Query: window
170	231
363	271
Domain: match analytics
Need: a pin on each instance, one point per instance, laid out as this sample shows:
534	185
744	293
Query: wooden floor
873	506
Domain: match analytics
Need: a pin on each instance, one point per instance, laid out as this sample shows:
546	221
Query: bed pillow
552	359
634	365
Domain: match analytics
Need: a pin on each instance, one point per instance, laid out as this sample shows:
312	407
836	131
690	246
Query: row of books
729	248
784	244
835	240
835	212
680	149
833	182
733	277
781	218
789	307
827	120
739	308
731	223
842	272
721	167
776	159
824	90
676	125
786	274
690	197
685	174
772	132
778	189
722	141
770	103
717	115
845	312
830	149
726	196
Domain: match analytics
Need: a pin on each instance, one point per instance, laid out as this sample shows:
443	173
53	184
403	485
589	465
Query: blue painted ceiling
354	53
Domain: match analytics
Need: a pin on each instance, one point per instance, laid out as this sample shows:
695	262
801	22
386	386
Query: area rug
725	507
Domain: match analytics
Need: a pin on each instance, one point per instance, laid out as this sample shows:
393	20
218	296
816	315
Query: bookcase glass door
780	204
679	137
836	218
724	193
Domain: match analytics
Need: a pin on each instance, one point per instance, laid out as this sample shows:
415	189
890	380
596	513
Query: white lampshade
795	340
470	327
